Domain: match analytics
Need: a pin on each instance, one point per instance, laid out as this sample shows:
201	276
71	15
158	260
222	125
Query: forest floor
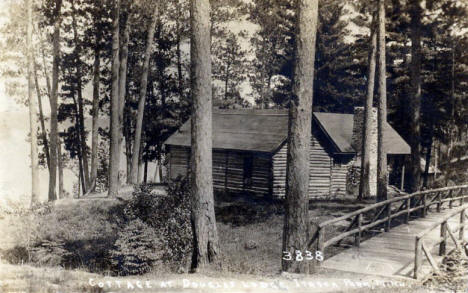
250	239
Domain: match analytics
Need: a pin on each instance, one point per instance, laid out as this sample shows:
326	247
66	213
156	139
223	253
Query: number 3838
303	255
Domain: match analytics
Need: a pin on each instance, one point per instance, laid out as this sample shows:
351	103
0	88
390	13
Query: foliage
168	215
136	249
353	176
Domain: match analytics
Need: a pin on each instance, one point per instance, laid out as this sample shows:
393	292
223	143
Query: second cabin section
250	151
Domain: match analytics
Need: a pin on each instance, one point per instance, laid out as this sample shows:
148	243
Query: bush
136	250
169	215
49	252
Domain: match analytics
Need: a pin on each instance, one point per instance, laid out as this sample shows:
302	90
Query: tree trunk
145	174
114	158
79	152
428	155
128	125
53	103
141	102
123	79
205	234
364	187
60	170
180	77
296	220
32	114
382	178
95	134
41	116
426	166
79	77
140	168
415	96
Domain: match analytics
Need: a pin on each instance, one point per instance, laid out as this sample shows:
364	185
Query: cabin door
248	170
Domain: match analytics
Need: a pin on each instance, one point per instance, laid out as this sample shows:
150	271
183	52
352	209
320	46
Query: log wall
179	160
228	169
327	177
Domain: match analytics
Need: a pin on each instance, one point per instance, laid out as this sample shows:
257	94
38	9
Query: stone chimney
356	143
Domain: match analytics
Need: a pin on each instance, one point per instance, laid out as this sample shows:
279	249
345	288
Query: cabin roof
266	131
339	128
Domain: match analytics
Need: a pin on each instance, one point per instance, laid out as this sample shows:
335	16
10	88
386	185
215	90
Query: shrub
136	250
170	216
49	252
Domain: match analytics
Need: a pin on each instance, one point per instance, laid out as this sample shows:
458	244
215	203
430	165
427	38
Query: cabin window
248	168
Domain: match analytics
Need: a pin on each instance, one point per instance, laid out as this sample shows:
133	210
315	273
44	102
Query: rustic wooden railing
383	213
446	234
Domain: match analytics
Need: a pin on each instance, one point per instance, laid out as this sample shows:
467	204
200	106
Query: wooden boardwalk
391	254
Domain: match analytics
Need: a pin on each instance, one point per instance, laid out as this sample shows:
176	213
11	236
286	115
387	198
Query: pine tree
53	101
114	125
206	247
32	111
382	180
296	220
143	89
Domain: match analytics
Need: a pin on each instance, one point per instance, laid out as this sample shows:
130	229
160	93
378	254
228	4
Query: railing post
443	235
461	195
450	201
417	257
319	246
424	209
439	204
357	237
389	218
461	231
408	212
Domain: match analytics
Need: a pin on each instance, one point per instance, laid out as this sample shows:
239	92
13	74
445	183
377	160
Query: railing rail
446	233
385	211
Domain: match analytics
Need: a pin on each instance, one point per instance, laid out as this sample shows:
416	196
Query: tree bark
123	79
364	187
77	129
41	115
296	220
53	103
415	96
114	153
382	176
32	113
180	77
141	102
427	165
95	134
79	77
60	170
205	234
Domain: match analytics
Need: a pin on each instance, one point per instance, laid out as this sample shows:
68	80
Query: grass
249	229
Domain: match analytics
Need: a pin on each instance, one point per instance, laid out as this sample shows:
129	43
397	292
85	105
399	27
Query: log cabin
250	151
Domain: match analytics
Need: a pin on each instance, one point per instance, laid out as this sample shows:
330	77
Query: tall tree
95	109
229	69
41	115
54	101
114	124
382	109
123	74
296	220
415	95
79	88
141	102
32	112
364	187
61	190
205	235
